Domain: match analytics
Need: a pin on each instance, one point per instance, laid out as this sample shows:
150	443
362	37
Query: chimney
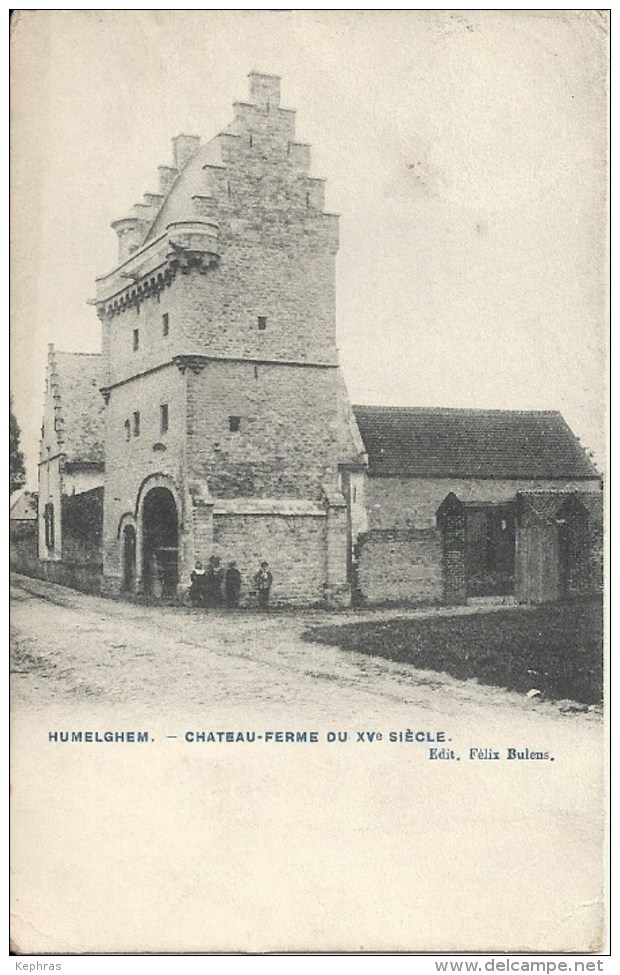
264	89
184	147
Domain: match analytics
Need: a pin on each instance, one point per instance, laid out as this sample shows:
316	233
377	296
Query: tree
17	469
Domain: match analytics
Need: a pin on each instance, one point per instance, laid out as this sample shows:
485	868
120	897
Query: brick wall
400	566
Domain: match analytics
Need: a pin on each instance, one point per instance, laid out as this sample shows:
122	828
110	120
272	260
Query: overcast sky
465	152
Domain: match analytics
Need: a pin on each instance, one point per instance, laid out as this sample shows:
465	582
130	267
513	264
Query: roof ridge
451	442
456	409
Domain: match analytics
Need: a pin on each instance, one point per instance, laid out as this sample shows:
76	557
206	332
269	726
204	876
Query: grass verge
554	649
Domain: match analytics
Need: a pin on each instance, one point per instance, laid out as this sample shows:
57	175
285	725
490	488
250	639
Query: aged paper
263	791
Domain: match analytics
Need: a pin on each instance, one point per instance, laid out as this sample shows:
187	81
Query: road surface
229	827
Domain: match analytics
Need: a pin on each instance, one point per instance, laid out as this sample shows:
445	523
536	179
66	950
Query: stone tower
228	429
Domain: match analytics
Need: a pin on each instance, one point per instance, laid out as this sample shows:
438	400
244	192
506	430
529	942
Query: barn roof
76	378
431	442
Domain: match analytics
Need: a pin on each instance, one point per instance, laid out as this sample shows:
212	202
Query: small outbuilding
476	504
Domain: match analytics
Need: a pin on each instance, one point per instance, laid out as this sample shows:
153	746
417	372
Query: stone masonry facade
220	366
221	424
407	503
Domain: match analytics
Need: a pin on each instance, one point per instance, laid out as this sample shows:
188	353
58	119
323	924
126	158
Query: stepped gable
79	405
500	444
256	156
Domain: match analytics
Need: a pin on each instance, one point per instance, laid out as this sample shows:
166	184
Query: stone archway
160	543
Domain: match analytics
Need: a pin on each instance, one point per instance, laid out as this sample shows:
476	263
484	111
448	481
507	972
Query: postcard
308	479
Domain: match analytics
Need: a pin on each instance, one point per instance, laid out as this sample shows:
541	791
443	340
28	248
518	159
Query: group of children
212	586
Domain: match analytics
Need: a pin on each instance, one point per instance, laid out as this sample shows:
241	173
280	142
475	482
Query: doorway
160	547
129	558
490	549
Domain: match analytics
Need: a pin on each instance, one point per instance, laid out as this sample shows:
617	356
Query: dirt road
218	833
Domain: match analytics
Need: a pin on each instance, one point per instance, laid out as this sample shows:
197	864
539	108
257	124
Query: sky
466	153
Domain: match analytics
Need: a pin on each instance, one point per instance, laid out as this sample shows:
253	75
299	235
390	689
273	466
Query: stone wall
294	546
23	554
407	502
287	281
50	492
78	479
228	311
400	566
85	576
291	430
82	519
275	257
129	462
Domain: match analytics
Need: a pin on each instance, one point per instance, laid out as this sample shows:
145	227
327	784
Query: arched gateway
160	543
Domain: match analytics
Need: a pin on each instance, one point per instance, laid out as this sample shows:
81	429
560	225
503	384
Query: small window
234	423
136	424
255	372
165	323
163	418
136	339
49	525
262	323
127	430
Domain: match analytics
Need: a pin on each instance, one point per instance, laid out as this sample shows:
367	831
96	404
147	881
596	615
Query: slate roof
77	379
178	204
430	442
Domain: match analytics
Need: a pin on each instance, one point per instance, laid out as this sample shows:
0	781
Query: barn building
220	409
475	504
